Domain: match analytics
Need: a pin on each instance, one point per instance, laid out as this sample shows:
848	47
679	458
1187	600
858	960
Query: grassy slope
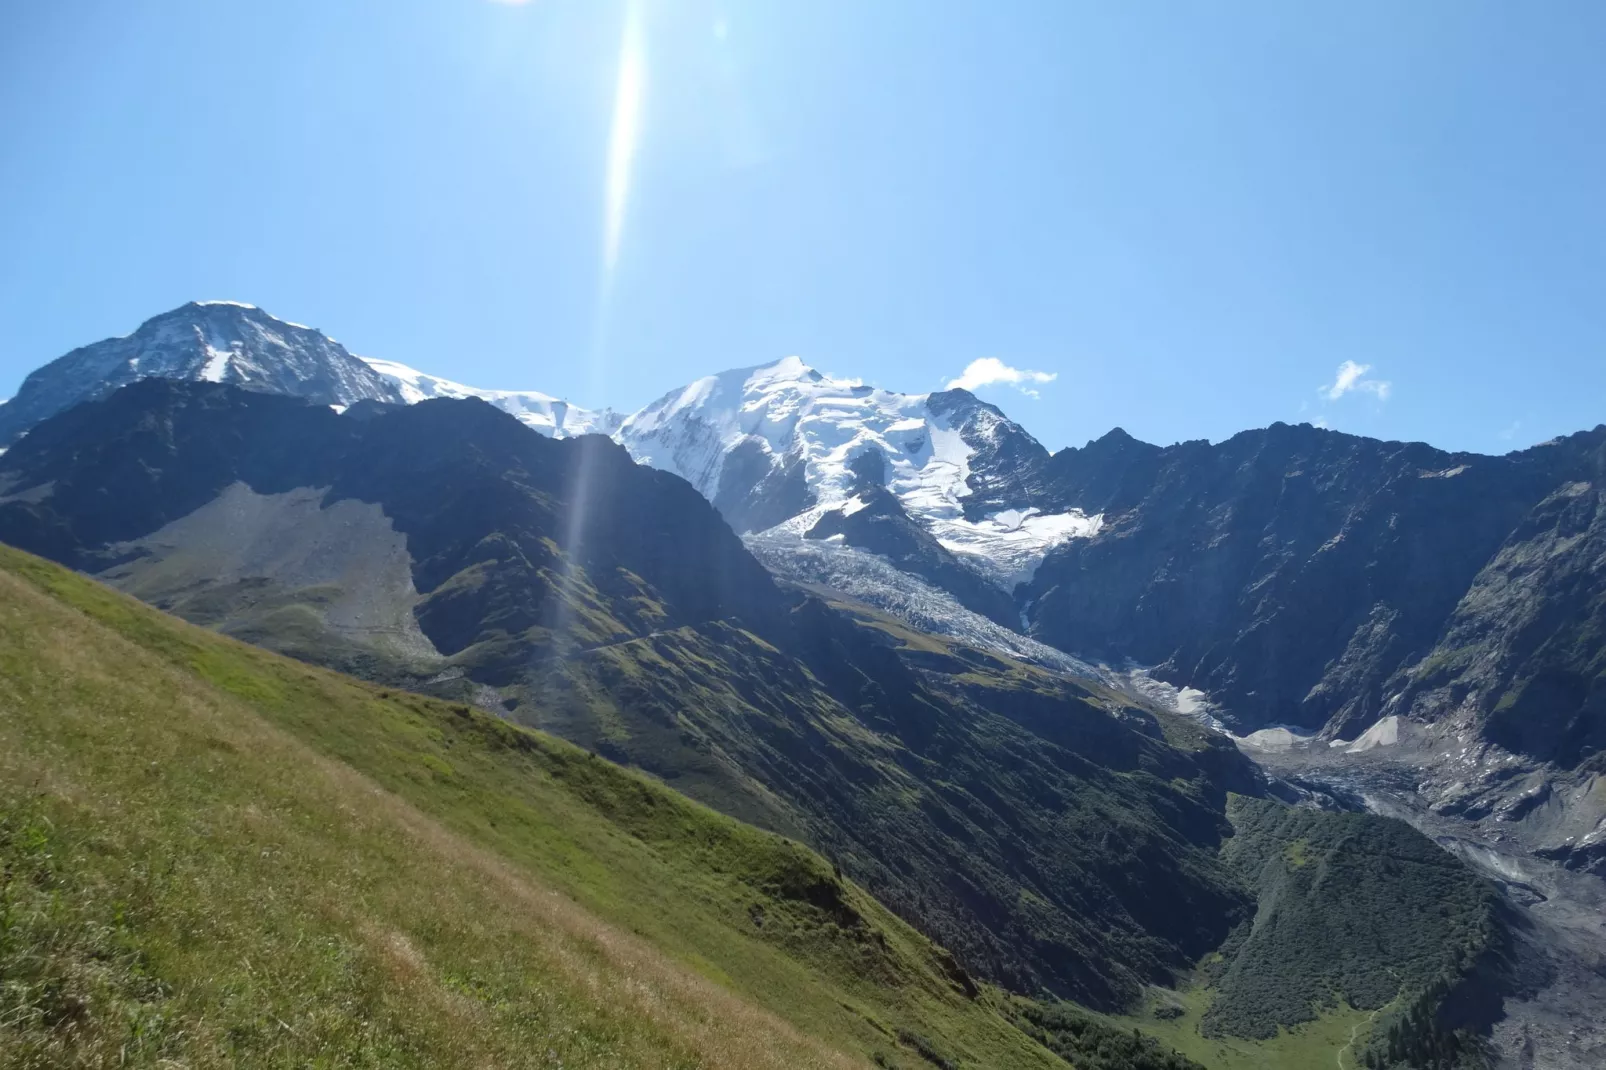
214	854
1310	1044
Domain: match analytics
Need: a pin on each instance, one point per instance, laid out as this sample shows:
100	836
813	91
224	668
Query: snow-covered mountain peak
550	416
763	387
721	428
943	484
212	341
780	445
778	371
239	344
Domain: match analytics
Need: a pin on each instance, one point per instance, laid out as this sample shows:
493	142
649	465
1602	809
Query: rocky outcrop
1293	573
1525	650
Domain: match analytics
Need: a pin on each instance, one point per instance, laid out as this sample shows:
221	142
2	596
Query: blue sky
1196	217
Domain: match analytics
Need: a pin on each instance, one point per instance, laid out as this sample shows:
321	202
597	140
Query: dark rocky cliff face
1006	469
1291	572
1525	650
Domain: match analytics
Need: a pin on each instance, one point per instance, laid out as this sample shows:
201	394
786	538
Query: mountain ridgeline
1054	829
213	341
1298	576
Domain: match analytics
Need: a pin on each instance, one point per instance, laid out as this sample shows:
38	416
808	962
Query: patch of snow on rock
217	363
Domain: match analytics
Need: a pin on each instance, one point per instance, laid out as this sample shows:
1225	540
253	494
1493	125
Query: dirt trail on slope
1354	1031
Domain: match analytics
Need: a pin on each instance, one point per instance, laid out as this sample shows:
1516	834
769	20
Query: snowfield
793	414
550	416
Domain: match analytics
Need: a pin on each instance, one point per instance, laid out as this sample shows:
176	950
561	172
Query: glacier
792	414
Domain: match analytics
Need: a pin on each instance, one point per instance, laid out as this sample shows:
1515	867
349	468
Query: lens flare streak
624	134
568	592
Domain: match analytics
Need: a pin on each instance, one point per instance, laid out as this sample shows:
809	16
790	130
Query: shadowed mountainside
1295	574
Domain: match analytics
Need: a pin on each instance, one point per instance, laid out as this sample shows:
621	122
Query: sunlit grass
217	856
186	882
1312	1044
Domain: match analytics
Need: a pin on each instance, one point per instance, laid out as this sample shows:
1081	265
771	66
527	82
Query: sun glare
625	132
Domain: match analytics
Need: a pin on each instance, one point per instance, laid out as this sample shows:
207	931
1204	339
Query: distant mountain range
1009	691
1294	575
1289	576
766	445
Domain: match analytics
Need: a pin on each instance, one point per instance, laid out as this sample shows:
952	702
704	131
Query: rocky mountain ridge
775	446
207	341
1294	575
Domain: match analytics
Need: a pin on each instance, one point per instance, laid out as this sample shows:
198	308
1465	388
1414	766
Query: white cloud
1350	379
988	371
1321	421
1511	432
